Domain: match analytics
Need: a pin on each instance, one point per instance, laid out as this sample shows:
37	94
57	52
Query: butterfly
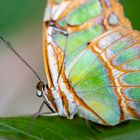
92	61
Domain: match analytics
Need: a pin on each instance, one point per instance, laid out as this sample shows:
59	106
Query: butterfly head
40	87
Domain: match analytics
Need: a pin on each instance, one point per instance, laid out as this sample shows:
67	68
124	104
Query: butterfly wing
97	61
107	78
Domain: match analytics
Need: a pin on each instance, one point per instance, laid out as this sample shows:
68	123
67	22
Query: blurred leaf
60	128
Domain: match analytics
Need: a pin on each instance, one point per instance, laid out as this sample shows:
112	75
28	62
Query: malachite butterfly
92	61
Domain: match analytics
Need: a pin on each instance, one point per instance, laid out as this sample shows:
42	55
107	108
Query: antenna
8	44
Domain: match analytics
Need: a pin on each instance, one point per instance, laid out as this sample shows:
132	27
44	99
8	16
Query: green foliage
59	128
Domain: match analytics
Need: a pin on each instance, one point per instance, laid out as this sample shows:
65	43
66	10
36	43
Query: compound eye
39	93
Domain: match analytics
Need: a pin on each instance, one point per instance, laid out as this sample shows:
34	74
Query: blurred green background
21	24
14	14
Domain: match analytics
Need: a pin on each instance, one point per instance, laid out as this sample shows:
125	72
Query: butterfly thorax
56	100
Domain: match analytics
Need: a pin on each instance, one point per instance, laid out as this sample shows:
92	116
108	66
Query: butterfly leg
39	113
48	114
93	126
